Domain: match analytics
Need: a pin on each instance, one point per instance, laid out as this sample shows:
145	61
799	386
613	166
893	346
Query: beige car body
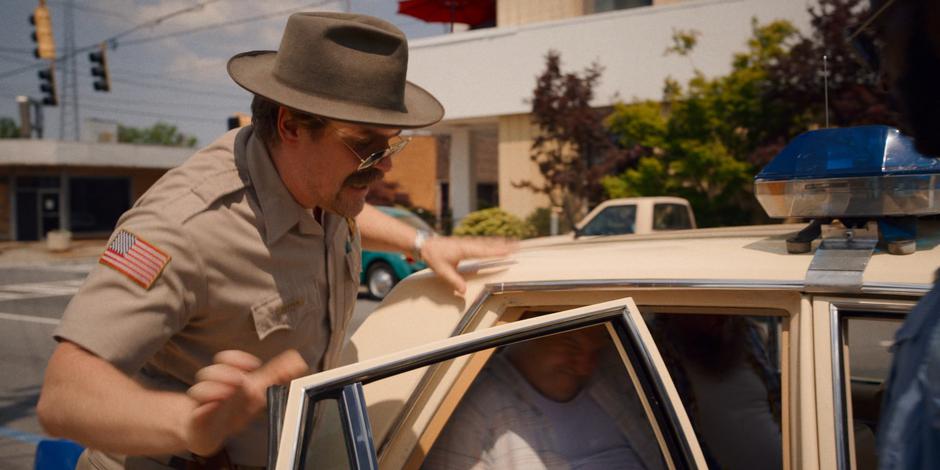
726	270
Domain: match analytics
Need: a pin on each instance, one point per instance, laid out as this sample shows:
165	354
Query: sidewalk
30	253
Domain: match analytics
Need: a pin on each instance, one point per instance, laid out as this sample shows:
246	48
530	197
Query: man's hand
231	392
443	253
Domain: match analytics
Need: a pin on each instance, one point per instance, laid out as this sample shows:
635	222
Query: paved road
32	299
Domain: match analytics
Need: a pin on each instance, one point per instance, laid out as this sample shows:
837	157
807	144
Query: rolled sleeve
124	322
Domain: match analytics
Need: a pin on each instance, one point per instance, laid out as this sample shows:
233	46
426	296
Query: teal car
381	270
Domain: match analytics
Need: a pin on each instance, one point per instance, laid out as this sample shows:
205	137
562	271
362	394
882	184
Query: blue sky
175	77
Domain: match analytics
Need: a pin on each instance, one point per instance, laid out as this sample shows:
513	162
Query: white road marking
28	318
39	289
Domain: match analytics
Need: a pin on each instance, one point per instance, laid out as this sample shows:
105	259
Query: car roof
751	254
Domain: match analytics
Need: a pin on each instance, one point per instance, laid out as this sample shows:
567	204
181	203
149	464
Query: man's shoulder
193	187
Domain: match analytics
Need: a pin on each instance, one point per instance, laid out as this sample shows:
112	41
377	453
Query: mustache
365	177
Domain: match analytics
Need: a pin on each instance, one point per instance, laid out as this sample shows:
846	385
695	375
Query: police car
747	347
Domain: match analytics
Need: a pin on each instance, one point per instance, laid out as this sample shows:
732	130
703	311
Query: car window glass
614	220
868	362
670	217
727	372
566	400
319	449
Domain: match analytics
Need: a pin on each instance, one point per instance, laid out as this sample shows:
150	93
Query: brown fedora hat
340	66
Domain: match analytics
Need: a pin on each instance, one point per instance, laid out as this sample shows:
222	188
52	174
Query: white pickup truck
632	215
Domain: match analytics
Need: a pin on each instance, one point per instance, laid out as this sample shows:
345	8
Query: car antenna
826	86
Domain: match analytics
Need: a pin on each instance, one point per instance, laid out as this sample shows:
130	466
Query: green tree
698	142
8	128
573	150
160	133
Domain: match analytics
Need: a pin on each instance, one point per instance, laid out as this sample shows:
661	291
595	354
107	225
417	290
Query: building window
487	195
601	6
97	203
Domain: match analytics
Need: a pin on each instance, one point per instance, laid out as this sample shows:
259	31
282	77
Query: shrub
493	221
541	221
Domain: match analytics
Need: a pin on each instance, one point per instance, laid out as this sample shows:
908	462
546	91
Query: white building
485	77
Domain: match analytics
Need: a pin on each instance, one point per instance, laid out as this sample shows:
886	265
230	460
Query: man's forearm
86	399
382	232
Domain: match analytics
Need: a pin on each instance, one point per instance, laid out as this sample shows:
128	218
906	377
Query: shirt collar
279	209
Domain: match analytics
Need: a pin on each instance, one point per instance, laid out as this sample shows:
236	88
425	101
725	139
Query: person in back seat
545	403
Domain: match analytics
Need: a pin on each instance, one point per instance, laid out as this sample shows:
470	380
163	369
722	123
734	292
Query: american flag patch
133	257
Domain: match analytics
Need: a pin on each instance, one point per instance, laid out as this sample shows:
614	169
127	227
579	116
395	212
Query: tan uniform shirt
249	269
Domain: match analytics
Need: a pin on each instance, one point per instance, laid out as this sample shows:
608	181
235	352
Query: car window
614	220
671	217
566	400
727	371
867	337
590	372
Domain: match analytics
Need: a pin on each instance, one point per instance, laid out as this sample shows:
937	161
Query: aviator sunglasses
395	145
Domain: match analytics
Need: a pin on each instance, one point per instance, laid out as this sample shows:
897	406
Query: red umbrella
471	12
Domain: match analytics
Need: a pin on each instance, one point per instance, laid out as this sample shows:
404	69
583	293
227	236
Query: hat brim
253	71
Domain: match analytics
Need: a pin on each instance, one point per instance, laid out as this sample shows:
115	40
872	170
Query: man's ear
288	128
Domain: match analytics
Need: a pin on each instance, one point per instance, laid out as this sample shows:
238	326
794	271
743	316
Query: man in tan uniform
239	269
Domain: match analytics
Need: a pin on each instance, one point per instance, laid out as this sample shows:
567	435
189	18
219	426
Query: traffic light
99	68
238	120
47	86
42	32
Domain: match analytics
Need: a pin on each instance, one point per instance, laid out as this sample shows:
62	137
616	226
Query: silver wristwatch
421	237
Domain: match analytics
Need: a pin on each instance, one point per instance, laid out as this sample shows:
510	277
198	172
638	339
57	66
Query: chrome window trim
836	340
501	288
358	428
304	391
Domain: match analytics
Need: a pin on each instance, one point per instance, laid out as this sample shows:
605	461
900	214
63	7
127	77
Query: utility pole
68	112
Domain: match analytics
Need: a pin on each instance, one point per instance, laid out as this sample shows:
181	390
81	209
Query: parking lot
35	288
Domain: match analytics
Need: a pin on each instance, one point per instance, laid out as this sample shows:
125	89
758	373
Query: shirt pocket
283	311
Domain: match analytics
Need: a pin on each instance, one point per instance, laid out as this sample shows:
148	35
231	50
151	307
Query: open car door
325	422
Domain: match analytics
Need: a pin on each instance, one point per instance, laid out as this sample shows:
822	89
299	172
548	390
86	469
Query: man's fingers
449	273
204	392
285	367
222	373
238	359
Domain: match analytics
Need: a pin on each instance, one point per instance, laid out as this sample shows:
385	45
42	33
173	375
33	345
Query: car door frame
344	384
835	435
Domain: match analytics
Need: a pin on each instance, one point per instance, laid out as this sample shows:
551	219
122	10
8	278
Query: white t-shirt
584	434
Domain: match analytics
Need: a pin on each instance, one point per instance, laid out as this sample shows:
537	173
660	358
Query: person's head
908	35
559	366
324	163
333	95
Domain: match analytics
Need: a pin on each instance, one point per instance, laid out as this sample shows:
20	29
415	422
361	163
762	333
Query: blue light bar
868	171
847	152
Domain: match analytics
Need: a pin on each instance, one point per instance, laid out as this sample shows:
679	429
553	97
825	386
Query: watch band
421	237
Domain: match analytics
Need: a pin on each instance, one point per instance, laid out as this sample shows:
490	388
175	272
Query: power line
112	39
136	101
98	11
176	88
16	50
223	24
168	74
14	59
180	117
